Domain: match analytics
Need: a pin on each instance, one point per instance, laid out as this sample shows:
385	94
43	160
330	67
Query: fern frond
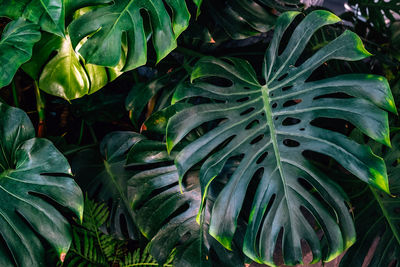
145	259
84	251
94	215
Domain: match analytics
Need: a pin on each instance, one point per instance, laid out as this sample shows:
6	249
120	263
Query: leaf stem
93	134
40	107
74	150
15	94
81	132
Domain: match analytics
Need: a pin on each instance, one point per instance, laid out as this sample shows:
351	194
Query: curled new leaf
269	127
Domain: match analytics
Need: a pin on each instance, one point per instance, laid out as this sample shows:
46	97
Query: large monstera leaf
49	14
16	44
103	176
166	214
377	217
269	127
32	172
106	27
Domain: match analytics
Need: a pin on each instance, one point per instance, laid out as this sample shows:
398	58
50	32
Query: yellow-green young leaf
28	192
16	44
106	26
268	127
65	74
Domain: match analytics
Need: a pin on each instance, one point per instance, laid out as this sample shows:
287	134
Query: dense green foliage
248	131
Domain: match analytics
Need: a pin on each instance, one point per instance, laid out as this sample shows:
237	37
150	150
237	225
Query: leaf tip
379	180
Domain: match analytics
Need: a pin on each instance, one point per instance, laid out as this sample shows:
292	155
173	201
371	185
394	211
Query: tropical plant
248	131
377	220
35	180
269	127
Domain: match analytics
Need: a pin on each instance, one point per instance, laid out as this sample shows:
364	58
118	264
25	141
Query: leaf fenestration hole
274	105
247	111
262	157
339	95
292	102
257	139
243	99
282	77
252	124
286	88
290	121
218	81
291	143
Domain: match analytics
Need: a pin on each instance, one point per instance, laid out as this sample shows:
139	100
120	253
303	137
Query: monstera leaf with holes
35	179
241	19
269	127
16	44
106	27
49	14
377	217
104	177
166	214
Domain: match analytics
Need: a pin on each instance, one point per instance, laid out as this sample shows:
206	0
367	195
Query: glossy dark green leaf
268	127
16	44
243	18
106	27
166	215
49	14
33	176
377	217
103	175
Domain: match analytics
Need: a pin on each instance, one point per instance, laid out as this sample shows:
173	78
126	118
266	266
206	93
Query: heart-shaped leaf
34	176
16	44
269	127
106	27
